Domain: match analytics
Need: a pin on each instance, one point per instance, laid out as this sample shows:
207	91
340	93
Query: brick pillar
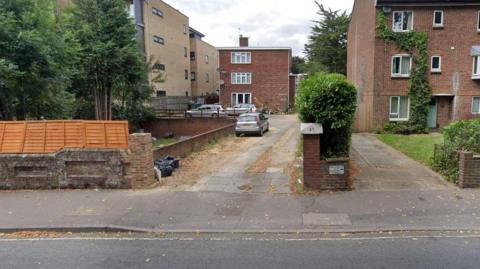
468	170
140	169
311	157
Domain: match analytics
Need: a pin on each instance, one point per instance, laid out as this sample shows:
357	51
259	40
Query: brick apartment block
380	71
258	75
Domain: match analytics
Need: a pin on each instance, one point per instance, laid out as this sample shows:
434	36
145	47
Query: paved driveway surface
383	168
260	167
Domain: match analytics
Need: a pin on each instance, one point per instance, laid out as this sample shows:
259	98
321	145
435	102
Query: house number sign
336	169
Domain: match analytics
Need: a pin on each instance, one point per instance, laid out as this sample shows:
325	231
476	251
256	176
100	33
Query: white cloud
266	22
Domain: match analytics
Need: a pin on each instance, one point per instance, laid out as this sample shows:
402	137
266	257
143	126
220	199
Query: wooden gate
51	136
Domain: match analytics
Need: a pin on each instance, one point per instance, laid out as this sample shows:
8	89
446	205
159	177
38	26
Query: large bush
461	135
329	99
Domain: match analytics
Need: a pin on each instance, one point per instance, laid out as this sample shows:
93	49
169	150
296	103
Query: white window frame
438	25
478	22
239	78
398	109
400	75
476	62
241	57
473	101
439	69
403	13
236	94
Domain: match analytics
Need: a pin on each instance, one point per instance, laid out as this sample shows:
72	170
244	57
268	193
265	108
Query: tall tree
327	46
110	63
298	65
33	62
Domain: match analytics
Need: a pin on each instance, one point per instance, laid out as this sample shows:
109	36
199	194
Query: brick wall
316	172
185	127
183	148
81	168
270	78
469	170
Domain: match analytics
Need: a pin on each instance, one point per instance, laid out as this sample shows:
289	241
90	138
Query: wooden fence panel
51	136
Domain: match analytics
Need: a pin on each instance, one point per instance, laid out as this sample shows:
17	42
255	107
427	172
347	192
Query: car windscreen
247	118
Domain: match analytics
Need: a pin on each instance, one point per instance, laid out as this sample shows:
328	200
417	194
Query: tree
110	65
327	46
298	65
34	71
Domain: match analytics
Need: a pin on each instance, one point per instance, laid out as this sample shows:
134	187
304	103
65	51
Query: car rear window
247	118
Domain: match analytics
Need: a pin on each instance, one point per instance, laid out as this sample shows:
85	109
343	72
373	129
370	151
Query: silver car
207	111
252	123
240	109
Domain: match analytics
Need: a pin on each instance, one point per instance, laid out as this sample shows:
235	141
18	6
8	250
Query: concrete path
384	168
262	167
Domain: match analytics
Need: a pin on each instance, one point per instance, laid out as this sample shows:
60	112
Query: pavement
245	251
393	193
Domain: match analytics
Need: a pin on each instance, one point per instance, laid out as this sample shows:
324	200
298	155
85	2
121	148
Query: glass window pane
397	21
476	105
406	65
403	107
240	98
435	62
438	17
407	20
475	65
396	65
247	98
394	105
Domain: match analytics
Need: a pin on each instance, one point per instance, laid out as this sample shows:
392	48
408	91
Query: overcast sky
266	22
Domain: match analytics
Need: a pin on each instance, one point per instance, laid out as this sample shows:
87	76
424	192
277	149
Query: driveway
381	167
259	164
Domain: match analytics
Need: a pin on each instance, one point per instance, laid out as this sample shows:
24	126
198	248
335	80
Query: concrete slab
316	219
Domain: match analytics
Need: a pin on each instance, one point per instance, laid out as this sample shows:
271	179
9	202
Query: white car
241	108
207	111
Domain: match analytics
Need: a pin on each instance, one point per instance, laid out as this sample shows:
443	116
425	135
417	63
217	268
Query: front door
432	114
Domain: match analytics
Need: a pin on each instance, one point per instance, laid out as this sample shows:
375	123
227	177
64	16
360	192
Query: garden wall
185	127
469	170
183	148
81	168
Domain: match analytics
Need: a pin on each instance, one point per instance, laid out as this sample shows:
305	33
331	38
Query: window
241	58
241	98
161	93
399	108
158	66
241	78
478	22
193	76
402	21
476	67
207	78
158	40
438	18
436	66
192	56
476	105
186	74
185	52
131	11
185	29
157	12
401	65
206	59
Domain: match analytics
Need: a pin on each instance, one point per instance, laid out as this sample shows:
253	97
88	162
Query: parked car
252	123
207	111
240	109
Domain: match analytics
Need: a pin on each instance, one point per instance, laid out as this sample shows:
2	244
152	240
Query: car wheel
268	128
237	134
261	132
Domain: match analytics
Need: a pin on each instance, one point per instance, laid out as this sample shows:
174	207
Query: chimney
243	41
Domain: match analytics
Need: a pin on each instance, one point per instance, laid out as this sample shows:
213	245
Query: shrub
329	99
404	128
460	135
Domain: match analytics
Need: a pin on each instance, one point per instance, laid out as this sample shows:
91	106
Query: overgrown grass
164	142
417	147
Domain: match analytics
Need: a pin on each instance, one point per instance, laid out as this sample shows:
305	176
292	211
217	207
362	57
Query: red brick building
258	75
381	72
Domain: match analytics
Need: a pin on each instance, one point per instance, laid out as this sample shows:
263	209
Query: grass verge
417	147
164	142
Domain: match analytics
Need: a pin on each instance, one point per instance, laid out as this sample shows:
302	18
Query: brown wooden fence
51	136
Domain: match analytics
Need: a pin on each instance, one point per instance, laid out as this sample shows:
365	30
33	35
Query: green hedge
460	135
329	99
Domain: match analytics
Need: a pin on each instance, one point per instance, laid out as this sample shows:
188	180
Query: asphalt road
244	251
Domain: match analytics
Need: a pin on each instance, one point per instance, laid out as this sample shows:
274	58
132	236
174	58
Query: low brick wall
184	148
331	175
469	170
185	127
81	168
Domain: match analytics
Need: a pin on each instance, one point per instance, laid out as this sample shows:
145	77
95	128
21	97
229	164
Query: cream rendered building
204	64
